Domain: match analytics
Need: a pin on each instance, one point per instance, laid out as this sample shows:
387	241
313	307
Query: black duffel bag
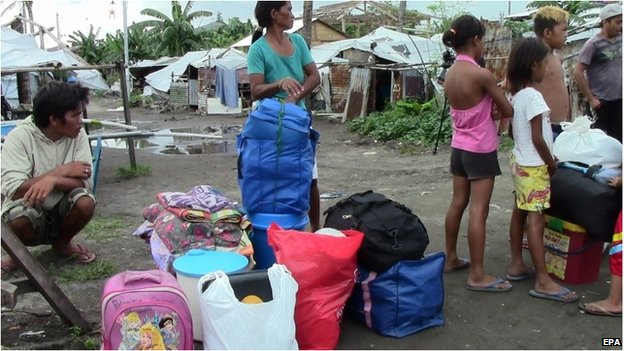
391	231
583	201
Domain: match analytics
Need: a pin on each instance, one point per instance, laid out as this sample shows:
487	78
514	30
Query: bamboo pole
54	68
121	66
108	123
146	134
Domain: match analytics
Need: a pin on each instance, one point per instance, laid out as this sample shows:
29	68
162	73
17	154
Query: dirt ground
347	164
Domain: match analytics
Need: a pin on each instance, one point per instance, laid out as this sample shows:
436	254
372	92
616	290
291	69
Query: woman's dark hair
463	29
524	54
56	99
262	12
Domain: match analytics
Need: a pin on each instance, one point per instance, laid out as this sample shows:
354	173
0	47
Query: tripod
442	117
448	60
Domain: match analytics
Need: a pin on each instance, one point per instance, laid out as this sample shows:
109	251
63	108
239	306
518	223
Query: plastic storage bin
260	222
195	264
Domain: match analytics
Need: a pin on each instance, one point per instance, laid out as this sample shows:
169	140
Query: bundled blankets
200	218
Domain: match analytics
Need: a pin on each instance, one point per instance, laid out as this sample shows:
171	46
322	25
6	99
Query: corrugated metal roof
387	44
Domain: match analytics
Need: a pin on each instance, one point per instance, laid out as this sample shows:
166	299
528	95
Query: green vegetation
75	331
518	28
129	173
88	343
91	343
506	143
409	122
103	229
98	269
162	35
175	35
576	9
446	12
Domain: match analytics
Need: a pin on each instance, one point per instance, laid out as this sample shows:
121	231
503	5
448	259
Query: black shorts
609	118
474	165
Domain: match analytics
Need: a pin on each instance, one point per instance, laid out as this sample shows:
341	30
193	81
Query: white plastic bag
578	142
228	324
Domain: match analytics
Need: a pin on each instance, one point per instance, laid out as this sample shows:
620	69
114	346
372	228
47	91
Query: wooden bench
38	280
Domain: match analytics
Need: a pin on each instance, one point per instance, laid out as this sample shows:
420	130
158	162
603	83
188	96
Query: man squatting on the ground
46	174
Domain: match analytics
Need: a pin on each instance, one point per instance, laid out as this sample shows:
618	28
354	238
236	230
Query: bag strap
278	139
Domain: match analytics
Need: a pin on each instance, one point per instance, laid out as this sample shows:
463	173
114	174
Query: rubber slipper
8	266
463	264
79	253
493	287
558	296
596	310
520	277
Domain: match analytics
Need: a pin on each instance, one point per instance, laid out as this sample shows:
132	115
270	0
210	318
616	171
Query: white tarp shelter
226	58
21	50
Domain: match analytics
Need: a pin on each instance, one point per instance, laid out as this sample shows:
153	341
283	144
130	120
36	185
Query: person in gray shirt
598	73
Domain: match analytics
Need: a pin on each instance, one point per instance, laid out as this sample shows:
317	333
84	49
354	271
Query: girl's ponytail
256	35
448	38
463	29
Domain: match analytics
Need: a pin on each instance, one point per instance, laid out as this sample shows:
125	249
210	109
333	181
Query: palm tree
141	46
574	8
176	34
86	46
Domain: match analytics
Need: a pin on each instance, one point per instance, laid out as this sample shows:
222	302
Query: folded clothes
201	197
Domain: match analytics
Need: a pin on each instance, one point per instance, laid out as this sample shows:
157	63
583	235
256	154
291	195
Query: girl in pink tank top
471	90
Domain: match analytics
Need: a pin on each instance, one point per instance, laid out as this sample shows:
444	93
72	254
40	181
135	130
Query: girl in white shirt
532	166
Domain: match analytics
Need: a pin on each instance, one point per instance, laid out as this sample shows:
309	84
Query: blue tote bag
403	300
275	158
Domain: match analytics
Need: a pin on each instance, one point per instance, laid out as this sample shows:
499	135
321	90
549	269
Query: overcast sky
107	15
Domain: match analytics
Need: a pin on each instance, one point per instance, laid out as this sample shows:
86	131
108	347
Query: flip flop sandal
8	267
597	310
463	264
559	296
493	287
80	254
520	277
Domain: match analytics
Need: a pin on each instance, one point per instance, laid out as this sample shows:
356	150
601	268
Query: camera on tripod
448	58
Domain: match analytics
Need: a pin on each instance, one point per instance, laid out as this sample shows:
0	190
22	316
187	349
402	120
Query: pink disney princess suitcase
145	310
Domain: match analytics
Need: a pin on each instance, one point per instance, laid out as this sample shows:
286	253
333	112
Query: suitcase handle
134	276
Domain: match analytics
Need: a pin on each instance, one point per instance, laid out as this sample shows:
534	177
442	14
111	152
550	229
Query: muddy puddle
162	142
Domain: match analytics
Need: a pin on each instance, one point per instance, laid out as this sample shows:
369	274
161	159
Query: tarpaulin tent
21	50
226	58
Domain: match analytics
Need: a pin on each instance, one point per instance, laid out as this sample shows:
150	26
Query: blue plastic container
7	126
260	222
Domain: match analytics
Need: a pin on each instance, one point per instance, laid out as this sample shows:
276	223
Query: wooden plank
42	281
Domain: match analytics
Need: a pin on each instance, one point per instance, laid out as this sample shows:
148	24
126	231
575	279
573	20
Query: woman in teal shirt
280	65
